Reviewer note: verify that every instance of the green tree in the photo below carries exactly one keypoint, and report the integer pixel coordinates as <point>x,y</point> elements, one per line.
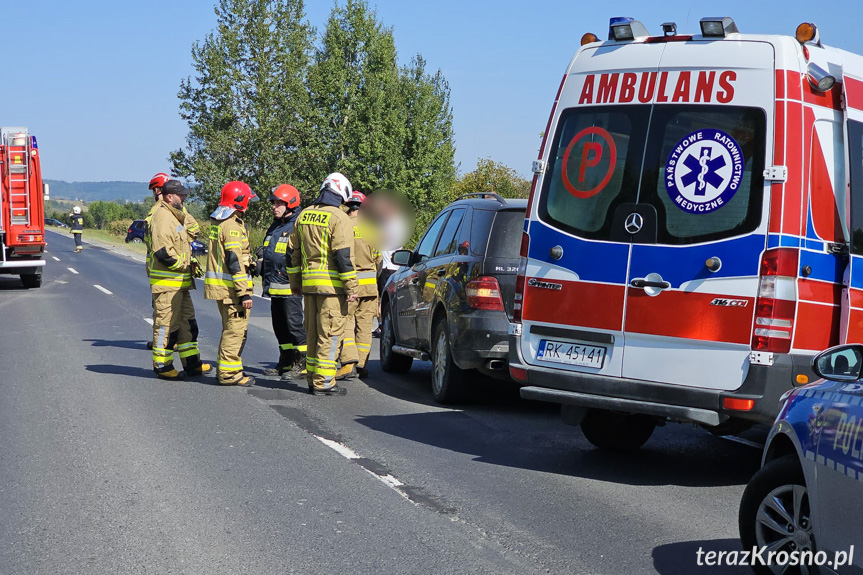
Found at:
<point>382,126</point>
<point>103,213</point>
<point>248,104</point>
<point>491,176</point>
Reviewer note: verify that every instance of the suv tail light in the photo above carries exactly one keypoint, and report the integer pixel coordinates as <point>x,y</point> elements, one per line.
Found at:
<point>518,299</point>
<point>484,293</point>
<point>776,305</point>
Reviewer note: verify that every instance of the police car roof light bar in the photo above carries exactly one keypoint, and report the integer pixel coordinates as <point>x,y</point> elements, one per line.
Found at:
<point>717,26</point>
<point>623,29</point>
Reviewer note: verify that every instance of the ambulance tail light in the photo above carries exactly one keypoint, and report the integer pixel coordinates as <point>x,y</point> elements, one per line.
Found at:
<point>484,293</point>
<point>518,299</point>
<point>776,305</point>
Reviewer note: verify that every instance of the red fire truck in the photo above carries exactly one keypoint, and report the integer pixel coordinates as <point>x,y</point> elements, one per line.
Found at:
<point>22,218</point>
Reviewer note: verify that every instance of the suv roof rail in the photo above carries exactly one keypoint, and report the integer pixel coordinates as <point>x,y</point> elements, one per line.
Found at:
<point>482,195</point>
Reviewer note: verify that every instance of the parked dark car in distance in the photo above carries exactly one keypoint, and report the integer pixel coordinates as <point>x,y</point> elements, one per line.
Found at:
<point>808,495</point>
<point>55,223</point>
<point>136,232</point>
<point>451,302</point>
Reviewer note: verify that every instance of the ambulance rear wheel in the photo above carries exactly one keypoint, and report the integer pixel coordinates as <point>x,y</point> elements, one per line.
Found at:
<point>617,431</point>
<point>31,281</point>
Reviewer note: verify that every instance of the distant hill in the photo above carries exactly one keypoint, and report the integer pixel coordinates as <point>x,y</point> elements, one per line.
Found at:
<point>105,191</point>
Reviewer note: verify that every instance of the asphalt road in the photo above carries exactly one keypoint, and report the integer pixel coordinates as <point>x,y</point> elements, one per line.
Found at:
<point>108,470</point>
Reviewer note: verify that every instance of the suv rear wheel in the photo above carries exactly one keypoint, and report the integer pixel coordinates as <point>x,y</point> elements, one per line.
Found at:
<point>617,431</point>
<point>391,362</point>
<point>448,380</point>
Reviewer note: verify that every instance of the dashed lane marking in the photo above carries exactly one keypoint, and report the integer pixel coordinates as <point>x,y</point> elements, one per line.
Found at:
<point>72,270</point>
<point>349,453</point>
<point>101,289</point>
<point>56,259</point>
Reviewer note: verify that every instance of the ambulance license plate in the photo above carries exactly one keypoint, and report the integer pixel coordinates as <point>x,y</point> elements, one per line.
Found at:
<point>571,353</point>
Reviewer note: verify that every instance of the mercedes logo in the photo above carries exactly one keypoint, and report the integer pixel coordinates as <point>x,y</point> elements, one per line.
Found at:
<point>634,223</point>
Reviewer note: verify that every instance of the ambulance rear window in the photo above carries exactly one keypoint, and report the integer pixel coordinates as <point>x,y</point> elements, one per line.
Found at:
<point>699,169</point>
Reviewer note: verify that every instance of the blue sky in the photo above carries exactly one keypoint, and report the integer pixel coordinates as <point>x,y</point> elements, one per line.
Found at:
<point>97,81</point>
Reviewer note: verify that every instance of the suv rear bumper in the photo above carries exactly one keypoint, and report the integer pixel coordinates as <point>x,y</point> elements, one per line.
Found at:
<point>478,337</point>
<point>764,385</point>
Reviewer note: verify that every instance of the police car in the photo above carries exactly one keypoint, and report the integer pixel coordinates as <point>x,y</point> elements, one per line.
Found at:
<point>808,495</point>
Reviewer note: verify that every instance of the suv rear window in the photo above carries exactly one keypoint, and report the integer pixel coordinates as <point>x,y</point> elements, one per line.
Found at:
<point>505,239</point>
<point>700,168</point>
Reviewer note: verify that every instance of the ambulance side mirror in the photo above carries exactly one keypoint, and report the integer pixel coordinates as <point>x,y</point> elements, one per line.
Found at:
<point>840,363</point>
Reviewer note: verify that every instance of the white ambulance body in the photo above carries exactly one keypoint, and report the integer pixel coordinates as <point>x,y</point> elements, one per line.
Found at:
<point>694,229</point>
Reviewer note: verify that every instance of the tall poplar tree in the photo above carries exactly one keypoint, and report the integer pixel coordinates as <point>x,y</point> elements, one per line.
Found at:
<point>248,103</point>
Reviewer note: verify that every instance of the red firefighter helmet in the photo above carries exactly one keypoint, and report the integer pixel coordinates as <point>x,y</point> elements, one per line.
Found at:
<point>356,199</point>
<point>237,195</point>
<point>159,180</point>
<point>288,194</point>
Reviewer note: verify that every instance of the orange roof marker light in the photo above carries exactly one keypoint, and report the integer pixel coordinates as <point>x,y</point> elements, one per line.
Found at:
<point>808,32</point>
<point>589,38</point>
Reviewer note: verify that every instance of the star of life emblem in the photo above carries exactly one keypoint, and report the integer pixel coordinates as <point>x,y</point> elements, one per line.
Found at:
<point>704,170</point>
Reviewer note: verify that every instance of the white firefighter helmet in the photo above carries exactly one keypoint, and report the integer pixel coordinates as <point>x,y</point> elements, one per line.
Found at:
<point>339,185</point>
<point>76,210</point>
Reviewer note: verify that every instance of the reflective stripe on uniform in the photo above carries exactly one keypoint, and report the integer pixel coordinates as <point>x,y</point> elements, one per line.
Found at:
<point>230,365</point>
<point>162,355</point>
<point>280,289</point>
<point>188,349</point>
<point>218,279</point>
<point>233,245</point>
<point>290,346</point>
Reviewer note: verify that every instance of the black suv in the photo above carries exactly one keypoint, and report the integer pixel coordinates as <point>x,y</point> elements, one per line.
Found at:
<point>452,300</point>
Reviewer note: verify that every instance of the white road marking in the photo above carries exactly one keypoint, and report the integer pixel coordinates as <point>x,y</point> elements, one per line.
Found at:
<point>149,320</point>
<point>349,453</point>
<point>743,441</point>
<point>338,447</point>
<point>101,289</point>
<point>72,270</point>
<point>56,259</point>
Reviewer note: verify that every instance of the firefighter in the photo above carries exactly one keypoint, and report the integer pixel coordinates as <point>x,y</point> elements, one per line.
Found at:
<point>286,308</point>
<point>192,229</point>
<point>170,271</point>
<point>357,341</point>
<point>77,227</point>
<point>227,279</point>
<point>322,271</point>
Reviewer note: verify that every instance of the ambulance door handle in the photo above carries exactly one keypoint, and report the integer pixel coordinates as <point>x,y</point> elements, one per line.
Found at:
<point>643,283</point>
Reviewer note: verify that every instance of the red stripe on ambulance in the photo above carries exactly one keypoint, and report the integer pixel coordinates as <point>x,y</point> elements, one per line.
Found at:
<point>596,305</point>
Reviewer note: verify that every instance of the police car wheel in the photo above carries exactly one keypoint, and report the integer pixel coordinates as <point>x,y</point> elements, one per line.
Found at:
<point>448,380</point>
<point>775,511</point>
<point>391,362</point>
<point>617,431</point>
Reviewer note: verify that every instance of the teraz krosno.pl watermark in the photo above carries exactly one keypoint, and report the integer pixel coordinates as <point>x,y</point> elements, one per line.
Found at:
<point>760,556</point>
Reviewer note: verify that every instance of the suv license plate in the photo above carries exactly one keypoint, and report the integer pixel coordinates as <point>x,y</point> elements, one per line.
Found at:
<point>571,353</point>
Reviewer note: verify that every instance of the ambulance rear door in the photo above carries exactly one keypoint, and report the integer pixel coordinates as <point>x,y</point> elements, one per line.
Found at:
<point>699,224</point>
<point>578,258</point>
<point>852,294</point>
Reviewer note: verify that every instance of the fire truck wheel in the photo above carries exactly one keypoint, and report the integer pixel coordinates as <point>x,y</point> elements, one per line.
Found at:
<point>32,280</point>
<point>617,431</point>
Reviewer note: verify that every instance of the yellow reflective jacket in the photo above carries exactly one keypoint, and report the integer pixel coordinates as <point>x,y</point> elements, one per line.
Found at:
<point>169,265</point>
<point>321,244</point>
<point>227,276</point>
<point>367,260</point>
<point>189,222</point>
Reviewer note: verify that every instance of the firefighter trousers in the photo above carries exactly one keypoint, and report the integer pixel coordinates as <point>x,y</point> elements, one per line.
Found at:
<point>325,318</point>
<point>287,315</point>
<point>174,323</point>
<point>77,236</point>
<point>357,340</point>
<point>235,324</point>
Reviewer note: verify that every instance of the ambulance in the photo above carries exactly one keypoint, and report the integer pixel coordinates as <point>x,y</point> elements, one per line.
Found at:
<point>694,234</point>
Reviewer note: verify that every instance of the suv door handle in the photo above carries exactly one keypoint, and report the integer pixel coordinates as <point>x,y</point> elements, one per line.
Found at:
<point>643,283</point>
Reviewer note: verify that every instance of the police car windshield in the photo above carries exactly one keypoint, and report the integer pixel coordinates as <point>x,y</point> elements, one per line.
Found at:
<point>696,170</point>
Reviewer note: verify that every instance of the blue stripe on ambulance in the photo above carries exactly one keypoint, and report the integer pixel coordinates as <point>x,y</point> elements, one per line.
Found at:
<point>825,267</point>
<point>593,261</point>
